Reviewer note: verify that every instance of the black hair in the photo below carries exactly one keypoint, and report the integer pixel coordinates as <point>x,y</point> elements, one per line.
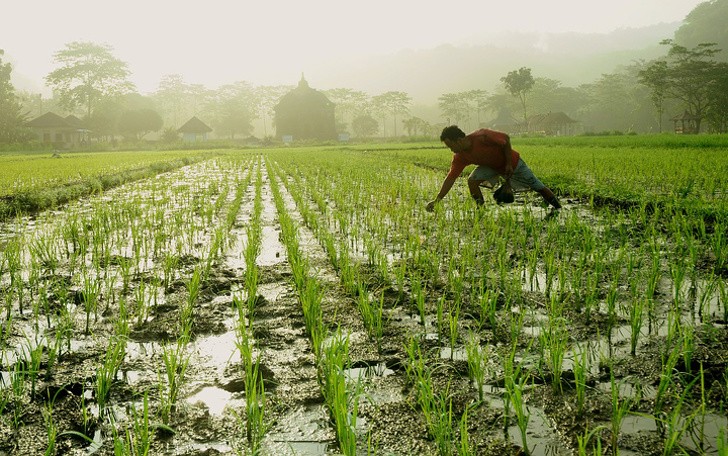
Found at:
<point>453,132</point>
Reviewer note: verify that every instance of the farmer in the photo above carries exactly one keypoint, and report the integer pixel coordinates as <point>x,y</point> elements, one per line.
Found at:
<point>491,151</point>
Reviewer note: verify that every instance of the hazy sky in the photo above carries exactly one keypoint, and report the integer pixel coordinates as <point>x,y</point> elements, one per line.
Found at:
<point>216,42</point>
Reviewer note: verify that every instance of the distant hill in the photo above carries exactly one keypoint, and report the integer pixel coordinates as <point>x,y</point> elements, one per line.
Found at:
<point>571,58</point>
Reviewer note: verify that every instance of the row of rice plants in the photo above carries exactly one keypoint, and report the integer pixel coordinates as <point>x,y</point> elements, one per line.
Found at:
<point>331,351</point>
<point>123,254</point>
<point>584,278</point>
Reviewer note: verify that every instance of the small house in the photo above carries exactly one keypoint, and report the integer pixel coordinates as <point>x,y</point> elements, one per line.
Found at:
<point>552,123</point>
<point>194,130</point>
<point>686,123</point>
<point>63,132</point>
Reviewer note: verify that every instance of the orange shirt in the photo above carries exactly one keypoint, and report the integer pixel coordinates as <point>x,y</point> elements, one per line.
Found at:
<point>487,150</point>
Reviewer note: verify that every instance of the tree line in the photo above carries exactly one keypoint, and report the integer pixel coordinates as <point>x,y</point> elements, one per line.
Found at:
<point>690,82</point>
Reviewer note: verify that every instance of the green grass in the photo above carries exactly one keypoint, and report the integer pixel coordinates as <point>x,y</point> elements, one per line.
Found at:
<point>36,181</point>
<point>689,172</point>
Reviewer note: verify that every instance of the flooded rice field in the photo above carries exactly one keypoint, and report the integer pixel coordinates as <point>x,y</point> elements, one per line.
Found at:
<point>280,305</point>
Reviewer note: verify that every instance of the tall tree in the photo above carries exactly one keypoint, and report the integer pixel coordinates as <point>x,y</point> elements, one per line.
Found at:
<point>364,126</point>
<point>706,23</point>
<point>416,126</point>
<point>455,107</point>
<point>654,76</point>
<point>88,73</point>
<point>519,83</point>
<point>172,97</point>
<point>232,109</point>
<point>691,76</point>
<point>392,103</point>
<point>137,123</point>
<point>614,101</point>
<point>479,100</point>
<point>267,98</point>
<point>11,118</point>
<point>348,102</point>
<point>717,113</point>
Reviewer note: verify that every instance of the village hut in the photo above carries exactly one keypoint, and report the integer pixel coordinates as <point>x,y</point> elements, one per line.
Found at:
<point>686,123</point>
<point>194,130</point>
<point>62,132</point>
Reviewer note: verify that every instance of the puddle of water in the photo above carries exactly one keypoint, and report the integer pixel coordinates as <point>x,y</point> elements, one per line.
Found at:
<point>272,250</point>
<point>298,448</point>
<point>629,390</point>
<point>96,443</point>
<point>690,439</point>
<point>368,371</point>
<point>217,351</point>
<point>303,431</point>
<point>214,398</point>
<point>540,435</point>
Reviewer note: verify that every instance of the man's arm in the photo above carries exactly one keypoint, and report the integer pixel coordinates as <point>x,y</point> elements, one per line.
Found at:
<point>446,186</point>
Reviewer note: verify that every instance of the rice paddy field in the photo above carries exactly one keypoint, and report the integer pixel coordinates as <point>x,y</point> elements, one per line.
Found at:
<point>301,301</point>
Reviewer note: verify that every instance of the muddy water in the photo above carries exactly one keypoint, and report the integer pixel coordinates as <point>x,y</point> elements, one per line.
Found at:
<point>210,413</point>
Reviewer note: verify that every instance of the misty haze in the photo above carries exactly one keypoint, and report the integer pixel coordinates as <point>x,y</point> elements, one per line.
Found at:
<point>387,228</point>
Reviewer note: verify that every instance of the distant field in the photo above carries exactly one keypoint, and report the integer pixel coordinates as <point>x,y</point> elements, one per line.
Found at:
<point>688,171</point>
<point>24,172</point>
<point>32,182</point>
<point>685,171</point>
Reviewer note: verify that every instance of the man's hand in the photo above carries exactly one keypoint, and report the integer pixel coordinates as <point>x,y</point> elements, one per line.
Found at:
<point>431,206</point>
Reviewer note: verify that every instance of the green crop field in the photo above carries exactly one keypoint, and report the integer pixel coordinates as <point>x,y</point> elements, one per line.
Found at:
<point>302,300</point>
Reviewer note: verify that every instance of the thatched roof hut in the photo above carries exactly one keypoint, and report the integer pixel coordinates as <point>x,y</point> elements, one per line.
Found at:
<point>194,130</point>
<point>305,113</point>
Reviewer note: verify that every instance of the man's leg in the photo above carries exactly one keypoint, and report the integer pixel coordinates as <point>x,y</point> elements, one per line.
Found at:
<point>475,193</point>
<point>523,175</point>
<point>478,176</point>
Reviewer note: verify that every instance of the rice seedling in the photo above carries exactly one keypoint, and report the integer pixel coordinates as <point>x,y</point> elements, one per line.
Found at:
<point>635,320</point>
<point>176,361</point>
<point>42,251</point>
<point>51,428</point>
<point>343,404</point>
<point>555,341</point>
<point>488,302</point>
<point>584,440</point>
<point>464,448</point>
<point>620,409</point>
<point>91,289</point>
<point>442,426</point>
<point>18,390</point>
<point>687,347</point>
<point>32,357</point>
<point>257,422</point>
<point>515,382</point>
<point>419,293</point>
<point>139,436</point>
<point>675,425</point>
<point>107,371</point>
<point>453,318</point>
<point>476,363</point>
<point>581,358</point>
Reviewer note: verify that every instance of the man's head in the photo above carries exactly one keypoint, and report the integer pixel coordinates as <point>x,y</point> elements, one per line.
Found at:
<point>454,138</point>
